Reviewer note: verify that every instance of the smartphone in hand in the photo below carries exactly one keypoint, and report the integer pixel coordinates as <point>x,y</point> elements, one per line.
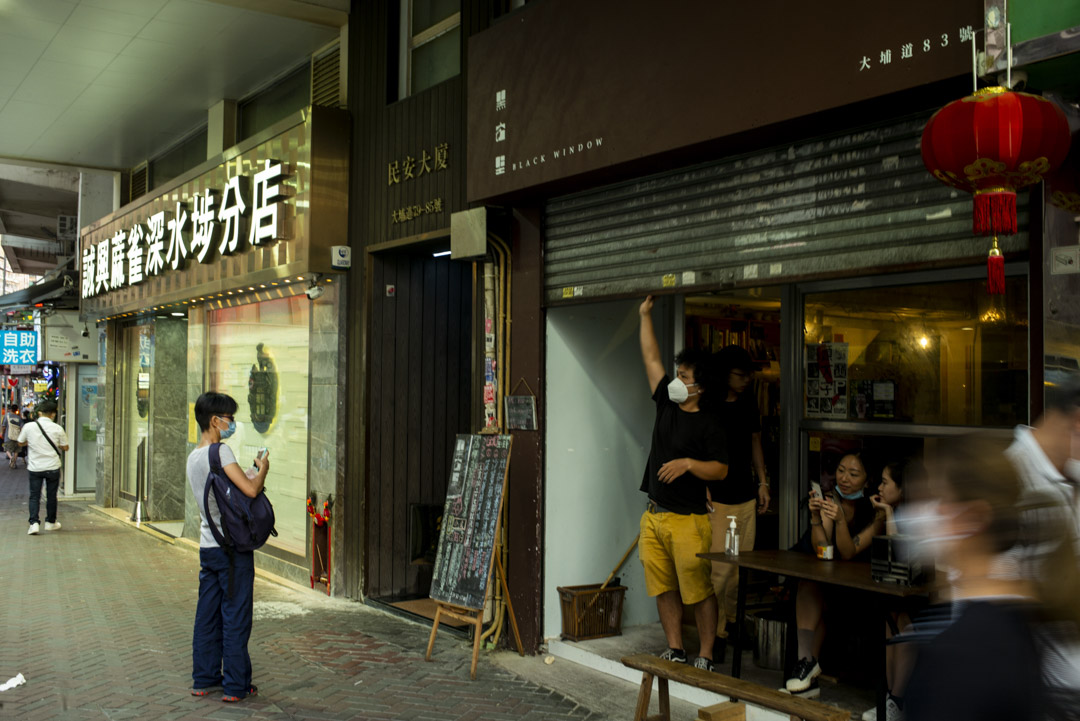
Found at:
<point>262,453</point>
<point>815,488</point>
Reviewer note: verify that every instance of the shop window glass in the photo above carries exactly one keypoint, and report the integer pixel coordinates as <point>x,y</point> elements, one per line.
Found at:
<point>259,356</point>
<point>936,353</point>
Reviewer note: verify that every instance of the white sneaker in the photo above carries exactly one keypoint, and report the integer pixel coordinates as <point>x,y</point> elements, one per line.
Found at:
<point>52,526</point>
<point>892,712</point>
<point>806,670</point>
<point>33,530</point>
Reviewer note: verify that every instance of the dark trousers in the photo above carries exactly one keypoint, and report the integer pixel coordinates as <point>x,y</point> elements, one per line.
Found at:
<point>52,485</point>
<point>223,624</point>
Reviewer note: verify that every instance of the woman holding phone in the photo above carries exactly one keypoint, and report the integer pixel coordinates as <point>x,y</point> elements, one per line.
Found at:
<point>845,520</point>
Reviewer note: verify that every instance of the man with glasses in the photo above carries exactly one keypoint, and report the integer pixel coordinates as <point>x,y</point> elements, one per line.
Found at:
<point>745,492</point>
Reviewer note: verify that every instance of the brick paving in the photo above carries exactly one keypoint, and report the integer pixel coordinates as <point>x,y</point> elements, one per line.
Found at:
<point>98,617</point>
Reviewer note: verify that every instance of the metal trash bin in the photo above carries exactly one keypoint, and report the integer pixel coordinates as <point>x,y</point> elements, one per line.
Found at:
<point>770,634</point>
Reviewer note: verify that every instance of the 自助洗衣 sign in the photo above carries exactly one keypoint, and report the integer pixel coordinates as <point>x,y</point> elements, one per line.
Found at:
<point>245,212</point>
<point>18,347</point>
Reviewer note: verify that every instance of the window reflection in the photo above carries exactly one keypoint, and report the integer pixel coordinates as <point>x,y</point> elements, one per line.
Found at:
<point>940,353</point>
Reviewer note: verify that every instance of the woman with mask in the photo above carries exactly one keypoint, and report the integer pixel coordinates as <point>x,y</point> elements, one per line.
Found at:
<point>846,521</point>
<point>896,477</point>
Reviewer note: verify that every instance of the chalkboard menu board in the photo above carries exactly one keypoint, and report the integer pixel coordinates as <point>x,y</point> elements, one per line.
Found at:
<point>470,520</point>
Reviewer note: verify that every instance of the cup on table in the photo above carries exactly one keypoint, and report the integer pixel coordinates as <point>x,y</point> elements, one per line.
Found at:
<point>825,553</point>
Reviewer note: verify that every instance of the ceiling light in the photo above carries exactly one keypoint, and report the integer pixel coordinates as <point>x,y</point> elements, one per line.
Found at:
<point>924,342</point>
<point>441,253</point>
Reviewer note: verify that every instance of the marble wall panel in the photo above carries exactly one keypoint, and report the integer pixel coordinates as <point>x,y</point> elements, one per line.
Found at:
<point>165,476</point>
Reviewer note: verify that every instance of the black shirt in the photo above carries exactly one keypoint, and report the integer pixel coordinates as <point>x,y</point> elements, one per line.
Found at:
<point>678,434</point>
<point>740,420</point>
<point>984,667</point>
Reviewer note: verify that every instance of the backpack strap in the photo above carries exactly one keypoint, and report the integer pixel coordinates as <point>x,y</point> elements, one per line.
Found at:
<point>220,535</point>
<point>42,429</point>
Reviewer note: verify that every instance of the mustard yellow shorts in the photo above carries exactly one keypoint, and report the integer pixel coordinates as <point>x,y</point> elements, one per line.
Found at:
<point>668,550</point>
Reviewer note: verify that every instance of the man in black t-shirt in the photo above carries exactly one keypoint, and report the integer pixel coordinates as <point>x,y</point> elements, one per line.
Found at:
<point>687,450</point>
<point>745,492</point>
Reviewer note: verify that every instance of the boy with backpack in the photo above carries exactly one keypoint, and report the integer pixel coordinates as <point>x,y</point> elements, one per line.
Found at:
<point>227,574</point>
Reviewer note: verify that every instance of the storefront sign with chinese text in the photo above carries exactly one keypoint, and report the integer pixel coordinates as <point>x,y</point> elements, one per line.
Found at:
<point>221,223</point>
<point>18,346</point>
<point>410,168</point>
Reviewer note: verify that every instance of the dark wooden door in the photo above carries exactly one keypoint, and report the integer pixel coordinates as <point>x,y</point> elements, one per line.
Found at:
<point>420,398</point>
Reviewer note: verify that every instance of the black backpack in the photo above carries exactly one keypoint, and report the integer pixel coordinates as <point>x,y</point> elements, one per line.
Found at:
<point>246,522</point>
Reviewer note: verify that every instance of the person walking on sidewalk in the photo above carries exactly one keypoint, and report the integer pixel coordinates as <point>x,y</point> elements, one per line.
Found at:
<point>44,440</point>
<point>219,647</point>
<point>13,424</point>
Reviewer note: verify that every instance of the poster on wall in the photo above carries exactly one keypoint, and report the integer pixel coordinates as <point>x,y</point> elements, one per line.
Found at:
<point>827,380</point>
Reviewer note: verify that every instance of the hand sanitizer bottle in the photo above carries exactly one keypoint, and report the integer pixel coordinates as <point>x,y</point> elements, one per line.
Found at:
<point>731,542</point>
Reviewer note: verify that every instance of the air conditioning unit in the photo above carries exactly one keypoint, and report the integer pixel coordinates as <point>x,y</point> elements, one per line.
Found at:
<point>140,180</point>
<point>67,227</point>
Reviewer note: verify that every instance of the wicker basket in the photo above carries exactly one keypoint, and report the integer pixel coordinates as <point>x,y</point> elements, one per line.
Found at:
<point>591,612</point>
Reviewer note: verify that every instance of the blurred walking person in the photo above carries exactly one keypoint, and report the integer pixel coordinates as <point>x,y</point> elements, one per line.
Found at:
<point>13,424</point>
<point>987,665</point>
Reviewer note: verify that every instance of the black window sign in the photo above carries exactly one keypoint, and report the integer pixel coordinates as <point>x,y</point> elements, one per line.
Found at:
<point>520,413</point>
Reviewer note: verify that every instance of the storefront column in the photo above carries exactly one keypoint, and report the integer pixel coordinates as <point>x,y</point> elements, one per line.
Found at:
<point>166,474</point>
<point>526,496</point>
<point>196,382</point>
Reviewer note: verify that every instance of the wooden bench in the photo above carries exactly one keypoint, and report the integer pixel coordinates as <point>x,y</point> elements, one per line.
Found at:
<point>737,689</point>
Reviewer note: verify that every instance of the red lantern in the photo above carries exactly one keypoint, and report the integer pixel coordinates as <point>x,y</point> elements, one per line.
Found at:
<point>991,144</point>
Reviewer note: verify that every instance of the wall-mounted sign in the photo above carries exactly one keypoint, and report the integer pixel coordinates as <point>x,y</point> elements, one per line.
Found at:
<point>18,346</point>
<point>63,341</point>
<point>410,168</point>
<point>222,222</point>
<point>249,225</point>
<point>597,101</point>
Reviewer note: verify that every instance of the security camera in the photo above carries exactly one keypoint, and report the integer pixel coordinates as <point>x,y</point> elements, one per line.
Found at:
<point>315,292</point>
<point>85,331</point>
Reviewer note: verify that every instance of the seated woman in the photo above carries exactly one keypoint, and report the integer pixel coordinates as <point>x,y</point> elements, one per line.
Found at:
<point>846,520</point>
<point>899,658</point>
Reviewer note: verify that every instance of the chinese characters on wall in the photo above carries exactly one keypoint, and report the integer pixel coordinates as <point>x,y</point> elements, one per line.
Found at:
<point>412,212</point>
<point>907,51</point>
<point>18,347</point>
<point>410,168</point>
<point>243,214</point>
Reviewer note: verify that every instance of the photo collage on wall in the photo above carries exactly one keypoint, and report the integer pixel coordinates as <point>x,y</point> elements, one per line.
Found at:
<point>827,380</point>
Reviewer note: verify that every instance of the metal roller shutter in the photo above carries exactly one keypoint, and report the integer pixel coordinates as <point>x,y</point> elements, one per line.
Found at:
<point>846,204</point>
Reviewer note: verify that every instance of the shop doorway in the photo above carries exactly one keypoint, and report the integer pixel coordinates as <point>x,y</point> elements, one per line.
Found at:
<point>750,319</point>
<point>134,447</point>
<point>419,398</point>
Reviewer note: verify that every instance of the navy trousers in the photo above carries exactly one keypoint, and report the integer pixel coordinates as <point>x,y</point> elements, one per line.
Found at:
<point>52,485</point>
<point>219,652</point>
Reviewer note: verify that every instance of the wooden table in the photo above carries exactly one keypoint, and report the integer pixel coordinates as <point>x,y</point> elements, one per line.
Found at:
<point>847,574</point>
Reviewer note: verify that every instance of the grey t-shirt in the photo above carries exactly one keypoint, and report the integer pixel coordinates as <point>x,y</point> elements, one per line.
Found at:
<point>198,468</point>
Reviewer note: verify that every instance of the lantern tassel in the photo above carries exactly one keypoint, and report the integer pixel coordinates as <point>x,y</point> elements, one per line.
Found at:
<point>995,213</point>
<point>995,271</point>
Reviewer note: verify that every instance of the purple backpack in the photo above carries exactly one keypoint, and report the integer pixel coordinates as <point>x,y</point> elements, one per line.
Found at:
<point>246,523</point>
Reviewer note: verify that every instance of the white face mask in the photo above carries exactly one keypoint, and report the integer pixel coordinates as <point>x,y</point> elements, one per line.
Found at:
<point>924,523</point>
<point>678,391</point>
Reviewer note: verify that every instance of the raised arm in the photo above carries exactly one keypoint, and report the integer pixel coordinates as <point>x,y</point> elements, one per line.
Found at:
<point>650,349</point>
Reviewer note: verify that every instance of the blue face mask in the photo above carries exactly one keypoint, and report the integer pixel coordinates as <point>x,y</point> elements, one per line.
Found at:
<point>846,496</point>
<point>229,431</point>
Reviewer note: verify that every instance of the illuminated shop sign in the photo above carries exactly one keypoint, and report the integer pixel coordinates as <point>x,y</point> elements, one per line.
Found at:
<point>246,212</point>
<point>18,346</point>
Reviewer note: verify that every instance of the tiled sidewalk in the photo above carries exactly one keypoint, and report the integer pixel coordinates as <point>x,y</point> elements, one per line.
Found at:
<point>98,616</point>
